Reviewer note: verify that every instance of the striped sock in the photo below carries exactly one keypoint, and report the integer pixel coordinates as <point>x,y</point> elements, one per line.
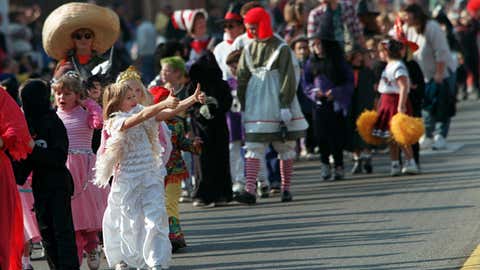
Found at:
<point>286,170</point>
<point>252,166</point>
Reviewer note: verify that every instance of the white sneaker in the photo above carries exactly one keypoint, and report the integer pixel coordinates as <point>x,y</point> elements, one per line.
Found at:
<point>410,168</point>
<point>238,187</point>
<point>425,142</point>
<point>395,170</point>
<point>93,260</point>
<point>185,196</point>
<point>121,266</point>
<point>439,142</point>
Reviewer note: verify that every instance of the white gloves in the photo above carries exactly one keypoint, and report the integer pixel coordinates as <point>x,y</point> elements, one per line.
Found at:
<point>285,115</point>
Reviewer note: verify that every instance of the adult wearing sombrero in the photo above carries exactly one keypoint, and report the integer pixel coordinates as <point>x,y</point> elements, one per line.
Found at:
<point>77,34</point>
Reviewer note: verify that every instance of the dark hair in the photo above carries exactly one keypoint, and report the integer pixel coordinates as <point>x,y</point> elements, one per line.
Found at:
<point>332,64</point>
<point>393,48</point>
<point>245,8</point>
<point>234,57</point>
<point>419,16</point>
<point>167,49</point>
<point>94,78</point>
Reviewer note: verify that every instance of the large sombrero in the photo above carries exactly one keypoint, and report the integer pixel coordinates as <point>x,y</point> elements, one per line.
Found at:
<point>68,18</point>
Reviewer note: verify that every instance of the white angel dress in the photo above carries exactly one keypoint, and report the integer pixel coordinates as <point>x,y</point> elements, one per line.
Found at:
<point>135,223</point>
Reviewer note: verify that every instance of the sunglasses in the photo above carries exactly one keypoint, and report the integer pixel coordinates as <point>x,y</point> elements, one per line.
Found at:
<point>79,36</point>
<point>228,26</point>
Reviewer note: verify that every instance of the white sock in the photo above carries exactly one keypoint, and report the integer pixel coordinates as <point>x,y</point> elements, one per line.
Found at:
<point>25,260</point>
<point>395,163</point>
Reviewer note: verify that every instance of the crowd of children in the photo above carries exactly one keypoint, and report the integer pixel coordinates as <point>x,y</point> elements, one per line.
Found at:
<point>109,161</point>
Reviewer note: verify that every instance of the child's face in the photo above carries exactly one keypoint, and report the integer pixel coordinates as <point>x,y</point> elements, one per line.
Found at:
<point>301,50</point>
<point>129,102</point>
<point>169,74</point>
<point>96,91</point>
<point>199,28</point>
<point>317,47</point>
<point>383,55</point>
<point>66,99</point>
<point>137,90</point>
<point>357,59</point>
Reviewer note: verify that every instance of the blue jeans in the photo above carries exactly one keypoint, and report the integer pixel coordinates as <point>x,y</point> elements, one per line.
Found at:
<point>431,124</point>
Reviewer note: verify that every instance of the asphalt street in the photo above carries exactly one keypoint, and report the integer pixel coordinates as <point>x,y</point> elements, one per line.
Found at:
<point>429,221</point>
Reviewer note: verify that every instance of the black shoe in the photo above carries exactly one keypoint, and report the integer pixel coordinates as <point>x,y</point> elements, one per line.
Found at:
<point>286,196</point>
<point>357,166</point>
<point>178,244</point>
<point>246,197</point>
<point>339,174</point>
<point>367,165</point>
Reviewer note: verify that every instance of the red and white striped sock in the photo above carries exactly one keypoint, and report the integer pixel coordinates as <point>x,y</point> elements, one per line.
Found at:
<point>286,171</point>
<point>252,167</point>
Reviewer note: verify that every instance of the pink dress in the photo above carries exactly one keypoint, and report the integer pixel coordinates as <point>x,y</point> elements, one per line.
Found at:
<point>30,225</point>
<point>88,201</point>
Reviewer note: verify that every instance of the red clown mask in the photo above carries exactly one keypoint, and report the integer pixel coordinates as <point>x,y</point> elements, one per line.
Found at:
<point>261,18</point>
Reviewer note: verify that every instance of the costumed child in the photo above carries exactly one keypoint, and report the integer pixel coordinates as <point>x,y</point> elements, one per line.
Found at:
<point>176,170</point>
<point>329,83</point>
<point>417,81</point>
<point>52,184</point>
<point>135,216</point>
<point>30,226</point>
<point>16,141</point>
<point>235,127</point>
<point>363,98</point>
<point>81,116</point>
<point>172,73</point>
<point>194,21</point>
<point>394,87</point>
<point>94,90</point>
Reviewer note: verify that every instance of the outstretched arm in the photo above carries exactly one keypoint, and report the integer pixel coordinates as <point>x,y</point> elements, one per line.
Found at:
<point>150,111</point>
<point>183,105</point>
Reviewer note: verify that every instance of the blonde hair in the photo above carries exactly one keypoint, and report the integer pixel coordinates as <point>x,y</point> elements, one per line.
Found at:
<point>146,99</point>
<point>113,97</point>
<point>72,82</point>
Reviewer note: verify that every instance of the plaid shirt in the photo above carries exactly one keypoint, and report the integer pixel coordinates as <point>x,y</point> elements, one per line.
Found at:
<point>348,16</point>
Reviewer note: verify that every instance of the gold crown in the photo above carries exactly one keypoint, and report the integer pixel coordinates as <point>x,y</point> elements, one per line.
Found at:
<point>131,73</point>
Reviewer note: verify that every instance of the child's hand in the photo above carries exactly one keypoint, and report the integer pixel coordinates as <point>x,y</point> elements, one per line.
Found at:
<point>1,143</point>
<point>199,95</point>
<point>197,141</point>
<point>329,95</point>
<point>171,101</point>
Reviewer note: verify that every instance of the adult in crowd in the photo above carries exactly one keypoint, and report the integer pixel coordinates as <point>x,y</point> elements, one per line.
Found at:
<point>295,15</point>
<point>266,69</point>
<point>146,44</point>
<point>341,12</point>
<point>433,56</point>
<point>77,34</point>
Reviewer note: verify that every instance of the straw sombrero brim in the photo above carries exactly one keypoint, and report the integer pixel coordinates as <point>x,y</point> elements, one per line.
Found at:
<point>66,19</point>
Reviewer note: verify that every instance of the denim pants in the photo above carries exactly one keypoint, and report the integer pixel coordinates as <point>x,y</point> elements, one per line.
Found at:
<point>431,124</point>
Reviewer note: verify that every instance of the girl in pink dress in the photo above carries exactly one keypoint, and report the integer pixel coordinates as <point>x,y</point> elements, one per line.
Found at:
<point>80,118</point>
<point>30,226</point>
